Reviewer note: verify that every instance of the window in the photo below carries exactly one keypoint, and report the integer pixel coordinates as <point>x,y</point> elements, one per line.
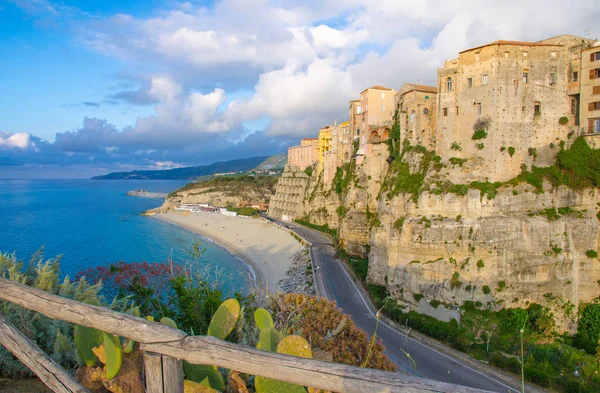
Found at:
<point>457,110</point>
<point>525,76</point>
<point>537,108</point>
<point>358,110</point>
<point>479,108</point>
<point>449,84</point>
<point>444,129</point>
<point>594,125</point>
<point>596,90</point>
<point>594,106</point>
<point>575,55</point>
<point>382,95</point>
<point>506,54</point>
<point>358,131</point>
<point>469,82</point>
<point>445,111</point>
<point>573,106</point>
<point>553,55</point>
<point>484,80</point>
<point>412,116</point>
<point>425,111</point>
<point>595,73</point>
<point>525,54</point>
<point>575,76</point>
<point>594,56</point>
<point>553,78</point>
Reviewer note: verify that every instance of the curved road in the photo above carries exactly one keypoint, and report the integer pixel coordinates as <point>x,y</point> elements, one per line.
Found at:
<point>333,279</point>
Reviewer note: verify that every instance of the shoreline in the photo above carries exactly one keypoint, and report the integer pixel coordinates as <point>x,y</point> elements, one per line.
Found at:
<point>265,249</point>
<point>257,276</point>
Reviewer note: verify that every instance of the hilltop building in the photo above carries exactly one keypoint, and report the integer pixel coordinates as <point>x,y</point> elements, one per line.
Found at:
<point>590,90</point>
<point>375,118</point>
<point>304,155</point>
<point>416,105</point>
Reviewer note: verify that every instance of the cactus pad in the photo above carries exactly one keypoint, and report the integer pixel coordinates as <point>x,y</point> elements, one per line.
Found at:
<point>114,356</point>
<point>195,387</point>
<point>200,372</point>
<point>296,346</point>
<point>267,385</point>
<point>86,338</point>
<point>268,340</point>
<point>225,319</point>
<point>263,319</point>
<point>168,322</point>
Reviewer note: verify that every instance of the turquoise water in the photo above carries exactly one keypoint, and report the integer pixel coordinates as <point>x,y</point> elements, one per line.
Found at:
<point>93,222</point>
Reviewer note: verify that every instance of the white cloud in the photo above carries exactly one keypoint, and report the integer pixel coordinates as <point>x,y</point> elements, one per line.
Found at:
<point>19,140</point>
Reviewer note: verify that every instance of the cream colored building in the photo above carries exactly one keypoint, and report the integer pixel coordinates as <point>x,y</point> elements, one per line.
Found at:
<point>417,115</point>
<point>304,155</point>
<point>516,92</point>
<point>590,90</point>
<point>376,112</point>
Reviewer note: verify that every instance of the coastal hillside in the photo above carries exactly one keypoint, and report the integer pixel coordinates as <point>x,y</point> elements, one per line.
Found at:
<point>189,173</point>
<point>222,191</point>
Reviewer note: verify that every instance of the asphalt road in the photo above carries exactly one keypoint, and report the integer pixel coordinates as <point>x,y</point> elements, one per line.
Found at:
<point>334,280</point>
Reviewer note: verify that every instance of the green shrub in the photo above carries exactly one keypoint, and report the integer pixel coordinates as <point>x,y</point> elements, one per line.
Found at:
<point>457,161</point>
<point>551,214</point>
<point>486,289</point>
<point>501,286</point>
<point>434,303</point>
<point>563,120</point>
<point>479,134</point>
<point>309,171</point>
<point>480,264</point>
<point>454,281</point>
<point>591,254</point>
<point>360,267</point>
<point>456,146</point>
<point>511,151</point>
<point>588,328</point>
<point>417,296</point>
<point>479,146</point>
<point>398,224</point>
<point>341,210</point>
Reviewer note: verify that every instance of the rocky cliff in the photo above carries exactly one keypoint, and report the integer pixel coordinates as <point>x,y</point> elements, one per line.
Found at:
<point>222,191</point>
<point>501,244</point>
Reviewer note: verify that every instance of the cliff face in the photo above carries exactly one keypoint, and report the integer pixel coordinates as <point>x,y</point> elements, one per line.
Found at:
<point>221,192</point>
<point>503,246</point>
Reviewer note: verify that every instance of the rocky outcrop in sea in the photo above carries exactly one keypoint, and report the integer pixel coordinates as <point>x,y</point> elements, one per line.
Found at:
<point>299,278</point>
<point>146,194</point>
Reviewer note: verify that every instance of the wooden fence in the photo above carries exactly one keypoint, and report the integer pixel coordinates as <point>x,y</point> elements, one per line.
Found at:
<point>165,347</point>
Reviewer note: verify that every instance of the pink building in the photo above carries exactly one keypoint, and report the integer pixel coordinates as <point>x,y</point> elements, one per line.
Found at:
<point>304,155</point>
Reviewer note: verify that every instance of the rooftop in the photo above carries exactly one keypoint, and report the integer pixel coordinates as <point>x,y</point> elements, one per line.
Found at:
<point>376,88</point>
<point>423,88</point>
<point>516,43</point>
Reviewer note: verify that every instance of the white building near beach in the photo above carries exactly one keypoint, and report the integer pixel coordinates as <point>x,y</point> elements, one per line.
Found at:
<point>226,212</point>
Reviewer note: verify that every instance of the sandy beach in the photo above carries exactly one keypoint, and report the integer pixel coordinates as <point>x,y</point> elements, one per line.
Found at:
<point>264,246</point>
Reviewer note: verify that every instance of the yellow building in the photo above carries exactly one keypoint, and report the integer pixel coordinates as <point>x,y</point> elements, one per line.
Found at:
<point>325,143</point>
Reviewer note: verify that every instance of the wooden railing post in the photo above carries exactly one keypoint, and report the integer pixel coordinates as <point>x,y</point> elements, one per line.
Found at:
<point>164,374</point>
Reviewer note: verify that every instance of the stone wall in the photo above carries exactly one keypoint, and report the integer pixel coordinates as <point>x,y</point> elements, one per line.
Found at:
<point>288,201</point>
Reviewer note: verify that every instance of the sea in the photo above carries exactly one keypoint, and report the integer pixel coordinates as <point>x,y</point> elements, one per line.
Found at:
<point>92,222</point>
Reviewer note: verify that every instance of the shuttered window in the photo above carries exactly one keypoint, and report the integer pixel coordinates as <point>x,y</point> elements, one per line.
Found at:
<point>595,73</point>
<point>596,90</point>
<point>594,56</point>
<point>594,106</point>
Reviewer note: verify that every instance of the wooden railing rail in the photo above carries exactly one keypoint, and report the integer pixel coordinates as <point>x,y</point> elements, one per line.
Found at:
<point>157,338</point>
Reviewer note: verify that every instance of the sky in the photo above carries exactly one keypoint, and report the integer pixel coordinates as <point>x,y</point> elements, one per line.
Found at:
<point>93,86</point>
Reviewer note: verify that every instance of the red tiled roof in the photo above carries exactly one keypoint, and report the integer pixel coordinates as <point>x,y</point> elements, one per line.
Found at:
<point>517,43</point>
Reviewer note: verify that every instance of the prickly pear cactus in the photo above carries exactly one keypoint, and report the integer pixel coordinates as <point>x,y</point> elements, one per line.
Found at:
<point>263,319</point>
<point>290,345</point>
<point>200,373</point>
<point>225,319</point>
<point>168,322</point>
<point>296,346</point>
<point>129,344</point>
<point>195,387</point>
<point>268,340</point>
<point>114,356</point>
<point>86,338</point>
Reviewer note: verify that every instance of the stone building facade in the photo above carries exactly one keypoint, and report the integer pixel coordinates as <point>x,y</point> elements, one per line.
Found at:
<point>416,105</point>
<point>304,155</point>
<point>516,92</point>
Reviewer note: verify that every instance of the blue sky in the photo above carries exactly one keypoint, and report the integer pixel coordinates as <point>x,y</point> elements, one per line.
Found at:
<point>90,86</point>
